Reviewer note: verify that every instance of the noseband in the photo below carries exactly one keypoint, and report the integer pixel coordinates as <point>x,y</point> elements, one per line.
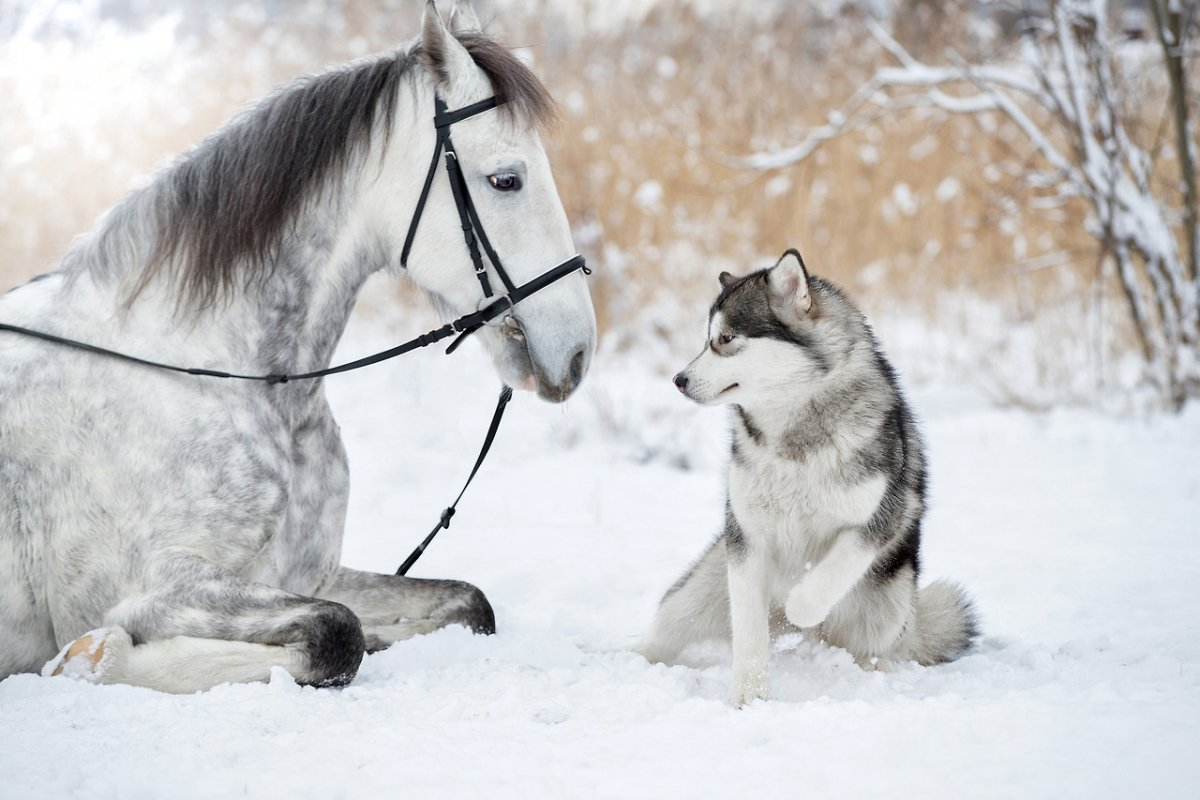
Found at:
<point>464,326</point>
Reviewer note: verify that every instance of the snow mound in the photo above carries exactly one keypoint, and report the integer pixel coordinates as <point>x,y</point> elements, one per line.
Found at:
<point>1074,532</point>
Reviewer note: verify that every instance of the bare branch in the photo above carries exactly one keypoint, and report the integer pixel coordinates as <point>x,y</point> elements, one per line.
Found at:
<point>1069,73</point>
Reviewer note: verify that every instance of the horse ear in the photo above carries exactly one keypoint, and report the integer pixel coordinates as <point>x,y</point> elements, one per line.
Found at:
<point>441,53</point>
<point>726,279</point>
<point>788,280</point>
<point>463,19</point>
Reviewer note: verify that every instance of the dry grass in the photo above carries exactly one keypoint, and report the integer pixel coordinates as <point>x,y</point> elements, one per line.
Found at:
<point>910,213</point>
<point>918,204</point>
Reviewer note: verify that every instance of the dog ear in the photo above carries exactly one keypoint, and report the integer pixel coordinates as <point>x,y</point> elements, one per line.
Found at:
<point>726,279</point>
<point>788,280</point>
<point>441,53</point>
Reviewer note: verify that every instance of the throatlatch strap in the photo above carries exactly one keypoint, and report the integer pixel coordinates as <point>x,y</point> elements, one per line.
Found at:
<point>416,218</point>
<point>444,521</point>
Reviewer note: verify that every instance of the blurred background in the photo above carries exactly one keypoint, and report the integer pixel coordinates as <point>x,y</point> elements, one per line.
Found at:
<point>704,136</point>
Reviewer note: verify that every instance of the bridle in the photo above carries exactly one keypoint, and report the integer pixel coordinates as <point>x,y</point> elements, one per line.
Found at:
<point>473,235</point>
<point>472,228</point>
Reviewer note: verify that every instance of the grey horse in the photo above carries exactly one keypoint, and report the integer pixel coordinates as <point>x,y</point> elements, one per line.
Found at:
<point>178,532</point>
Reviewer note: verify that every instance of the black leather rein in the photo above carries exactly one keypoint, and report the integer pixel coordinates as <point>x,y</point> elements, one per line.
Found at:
<point>464,326</point>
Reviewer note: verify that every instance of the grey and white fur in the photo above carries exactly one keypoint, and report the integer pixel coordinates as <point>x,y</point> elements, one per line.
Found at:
<point>826,490</point>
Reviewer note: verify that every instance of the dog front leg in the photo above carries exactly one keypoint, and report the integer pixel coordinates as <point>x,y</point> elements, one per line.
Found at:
<point>749,614</point>
<point>810,601</point>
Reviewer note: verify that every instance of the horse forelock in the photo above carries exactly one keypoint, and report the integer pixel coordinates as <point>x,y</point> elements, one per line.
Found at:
<point>522,92</point>
<point>222,211</point>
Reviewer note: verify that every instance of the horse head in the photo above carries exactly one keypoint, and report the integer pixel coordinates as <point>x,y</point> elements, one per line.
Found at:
<point>547,341</point>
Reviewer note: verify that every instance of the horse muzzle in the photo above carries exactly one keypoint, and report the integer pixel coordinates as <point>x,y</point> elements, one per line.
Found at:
<point>547,362</point>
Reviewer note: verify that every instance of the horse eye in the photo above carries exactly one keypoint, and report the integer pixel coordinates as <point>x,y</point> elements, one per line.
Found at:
<point>505,182</point>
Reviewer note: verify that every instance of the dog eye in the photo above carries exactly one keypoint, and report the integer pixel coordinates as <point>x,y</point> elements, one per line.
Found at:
<point>725,338</point>
<point>505,181</point>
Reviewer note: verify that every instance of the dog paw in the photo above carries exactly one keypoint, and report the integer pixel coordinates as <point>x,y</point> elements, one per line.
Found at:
<point>802,610</point>
<point>742,696</point>
<point>92,657</point>
<point>748,687</point>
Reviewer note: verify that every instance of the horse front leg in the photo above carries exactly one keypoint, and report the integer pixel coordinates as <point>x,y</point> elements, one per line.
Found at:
<point>203,626</point>
<point>393,607</point>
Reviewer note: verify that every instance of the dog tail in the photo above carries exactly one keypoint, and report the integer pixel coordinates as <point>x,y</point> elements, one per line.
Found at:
<point>946,624</point>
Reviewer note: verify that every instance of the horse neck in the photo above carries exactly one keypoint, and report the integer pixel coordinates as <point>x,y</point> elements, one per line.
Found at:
<point>292,318</point>
<point>301,308</point>
<point>288,320</point>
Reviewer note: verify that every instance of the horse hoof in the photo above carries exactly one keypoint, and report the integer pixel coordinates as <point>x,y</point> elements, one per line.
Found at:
<point>90,656</point>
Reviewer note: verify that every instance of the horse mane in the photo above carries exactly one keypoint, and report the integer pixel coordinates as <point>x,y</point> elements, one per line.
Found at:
<point>222,210</point>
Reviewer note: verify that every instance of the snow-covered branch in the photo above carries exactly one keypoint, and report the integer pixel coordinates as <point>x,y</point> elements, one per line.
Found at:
<point>1064,97</point>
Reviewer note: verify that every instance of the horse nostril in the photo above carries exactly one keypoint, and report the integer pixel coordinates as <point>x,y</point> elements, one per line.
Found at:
<point>681,381</point>
<point>575,371</point>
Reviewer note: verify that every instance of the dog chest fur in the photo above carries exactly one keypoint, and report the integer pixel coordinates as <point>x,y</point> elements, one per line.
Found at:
<point>794,508</point>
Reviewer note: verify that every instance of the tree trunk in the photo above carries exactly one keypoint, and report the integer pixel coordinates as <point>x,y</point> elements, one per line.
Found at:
<point>1169,25</point>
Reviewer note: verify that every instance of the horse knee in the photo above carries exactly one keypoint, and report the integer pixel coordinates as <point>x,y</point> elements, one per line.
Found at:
<point>334,642</point>
<point>474,611</point>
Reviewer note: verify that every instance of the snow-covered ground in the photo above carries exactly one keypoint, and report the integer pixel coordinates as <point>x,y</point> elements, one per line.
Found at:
<point>1075,532</point>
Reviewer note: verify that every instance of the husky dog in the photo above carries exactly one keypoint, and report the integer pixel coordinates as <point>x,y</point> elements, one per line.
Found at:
<point>826,490</point>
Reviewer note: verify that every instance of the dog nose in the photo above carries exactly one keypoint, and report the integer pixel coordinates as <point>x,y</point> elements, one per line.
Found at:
<point>681,381</point>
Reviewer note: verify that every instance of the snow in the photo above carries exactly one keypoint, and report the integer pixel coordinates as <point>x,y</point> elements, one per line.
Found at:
<point>648,196</point>
<point>949,188</point>
<point>1074,531</point>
